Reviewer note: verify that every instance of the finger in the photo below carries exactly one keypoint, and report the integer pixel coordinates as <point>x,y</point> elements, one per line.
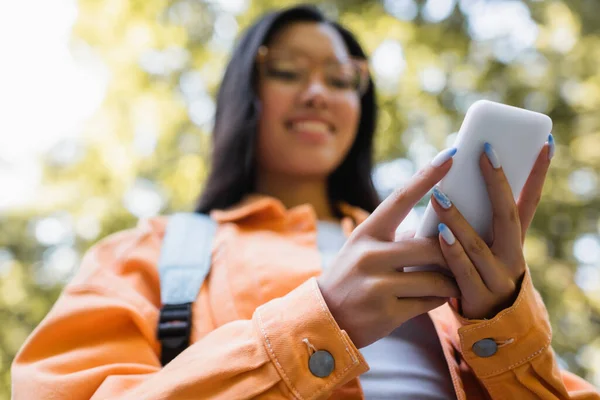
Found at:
<point>467,277</point>
<point>505,223</point>
<point>408,308</point>
<point>422,284</point>
<point>384,221</point>
<point>405,253</point>
<point>405,235</point>
<point>474,246</point>
<point>532,191</point>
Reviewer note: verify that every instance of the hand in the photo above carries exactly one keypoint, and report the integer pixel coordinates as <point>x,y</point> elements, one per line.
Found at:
<point>364,288</point>
<point>489,276</point>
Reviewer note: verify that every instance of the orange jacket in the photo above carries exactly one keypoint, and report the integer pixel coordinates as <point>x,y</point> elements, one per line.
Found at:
<point>252,313</point>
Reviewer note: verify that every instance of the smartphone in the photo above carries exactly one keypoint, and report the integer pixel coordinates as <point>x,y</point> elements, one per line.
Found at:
<point>517,135</point>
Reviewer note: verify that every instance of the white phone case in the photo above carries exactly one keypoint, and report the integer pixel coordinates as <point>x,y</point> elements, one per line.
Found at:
<point>517,136</point>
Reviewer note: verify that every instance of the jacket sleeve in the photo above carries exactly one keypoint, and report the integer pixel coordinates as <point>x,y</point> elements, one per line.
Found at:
<point>524,365</point>
<point>99,340</point>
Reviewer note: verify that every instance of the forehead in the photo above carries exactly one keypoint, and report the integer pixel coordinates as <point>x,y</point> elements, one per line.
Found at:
<point>315,39</point>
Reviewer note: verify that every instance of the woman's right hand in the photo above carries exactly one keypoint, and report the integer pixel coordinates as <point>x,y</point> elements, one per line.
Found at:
<point>365,289</point>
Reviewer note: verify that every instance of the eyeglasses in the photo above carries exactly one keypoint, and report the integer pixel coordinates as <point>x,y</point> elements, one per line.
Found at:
<point>293,67</point>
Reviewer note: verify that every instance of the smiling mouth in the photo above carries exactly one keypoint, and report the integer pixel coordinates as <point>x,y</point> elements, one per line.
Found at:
<point>309,125</point>
<point>312,132</point>
<point>312,126</point>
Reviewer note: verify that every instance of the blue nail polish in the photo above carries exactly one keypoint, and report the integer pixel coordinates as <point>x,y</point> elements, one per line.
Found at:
<point>443,156</point>
<point>441,198</point>
<point>552,146</point>
<point>446,233</point>
<point>492,155</point>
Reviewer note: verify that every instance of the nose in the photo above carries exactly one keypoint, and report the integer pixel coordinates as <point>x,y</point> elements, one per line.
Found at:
<point>314,93</point>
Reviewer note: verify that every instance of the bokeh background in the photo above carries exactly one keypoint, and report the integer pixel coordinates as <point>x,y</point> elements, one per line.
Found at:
<point>107,109</point>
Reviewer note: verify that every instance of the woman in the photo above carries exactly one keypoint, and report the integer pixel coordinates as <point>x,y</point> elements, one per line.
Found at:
<point>291,178</point>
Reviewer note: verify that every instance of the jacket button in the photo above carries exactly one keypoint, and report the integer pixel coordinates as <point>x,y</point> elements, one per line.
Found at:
<point>321,363</point>
<point>485,347</point>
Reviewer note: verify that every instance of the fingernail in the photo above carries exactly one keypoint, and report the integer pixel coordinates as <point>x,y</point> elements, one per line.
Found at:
<point>441,198</point>
<point>447,234</point>
<point>552,146</point>
<point>492,155</point>
<point>443,156</point>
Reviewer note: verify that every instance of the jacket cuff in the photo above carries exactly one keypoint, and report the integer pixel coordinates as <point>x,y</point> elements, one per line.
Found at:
<point>286,322</point>
<point>520,332</point>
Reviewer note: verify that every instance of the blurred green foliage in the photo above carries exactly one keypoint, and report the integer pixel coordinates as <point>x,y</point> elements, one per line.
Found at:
<point>145,150</point>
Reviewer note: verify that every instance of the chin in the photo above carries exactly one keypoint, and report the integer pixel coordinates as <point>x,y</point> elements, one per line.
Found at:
<point>301,163</point>
<point>315,169</point>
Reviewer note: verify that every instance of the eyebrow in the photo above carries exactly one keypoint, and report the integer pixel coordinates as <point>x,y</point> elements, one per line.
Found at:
<point>304,52</point>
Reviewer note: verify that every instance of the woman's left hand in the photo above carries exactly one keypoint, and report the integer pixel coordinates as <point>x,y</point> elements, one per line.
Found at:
<point>489,277</point>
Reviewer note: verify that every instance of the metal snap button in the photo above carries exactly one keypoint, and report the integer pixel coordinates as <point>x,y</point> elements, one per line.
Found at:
<point>321,363</point>
<point>485,347</point>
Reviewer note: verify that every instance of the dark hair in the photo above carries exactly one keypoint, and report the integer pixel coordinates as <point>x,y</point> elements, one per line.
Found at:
<point>233,162</point>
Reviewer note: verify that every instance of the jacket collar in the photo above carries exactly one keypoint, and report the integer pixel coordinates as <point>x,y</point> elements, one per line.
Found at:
<point>267,207</point>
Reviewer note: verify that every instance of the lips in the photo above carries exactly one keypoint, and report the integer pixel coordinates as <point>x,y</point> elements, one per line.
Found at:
<point>312,126</point>
<point>311,131</point>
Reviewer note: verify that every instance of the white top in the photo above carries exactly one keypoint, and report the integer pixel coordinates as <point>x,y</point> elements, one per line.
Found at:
<point>407,364</point>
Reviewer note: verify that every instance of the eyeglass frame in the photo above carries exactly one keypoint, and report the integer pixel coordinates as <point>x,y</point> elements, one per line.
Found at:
<point>361,64</point>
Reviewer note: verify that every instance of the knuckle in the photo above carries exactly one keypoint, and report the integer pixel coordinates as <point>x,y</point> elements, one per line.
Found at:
<point>510,214</point>
<point>369,284</point>
<point>373,287</point>
<point>432,247</point>
<point>357,234</point>
<point>509,288</point>
<point>399,195</point>
<point>513,214</point>
<point>436,281</point>
<point>431,242</point>
<point>477,246</point>
<point>365,256</point>
<point>441,282</point>
<point>421,174</point>
<point>468,272</point>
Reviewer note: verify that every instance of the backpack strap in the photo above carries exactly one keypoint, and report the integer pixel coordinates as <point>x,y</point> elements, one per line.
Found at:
<point>185,259</point>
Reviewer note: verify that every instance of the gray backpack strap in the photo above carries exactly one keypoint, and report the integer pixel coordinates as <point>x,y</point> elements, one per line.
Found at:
<point>185,259</point>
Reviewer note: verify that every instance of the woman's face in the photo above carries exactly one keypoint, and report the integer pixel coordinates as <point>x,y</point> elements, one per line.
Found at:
<point>310,109</point>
